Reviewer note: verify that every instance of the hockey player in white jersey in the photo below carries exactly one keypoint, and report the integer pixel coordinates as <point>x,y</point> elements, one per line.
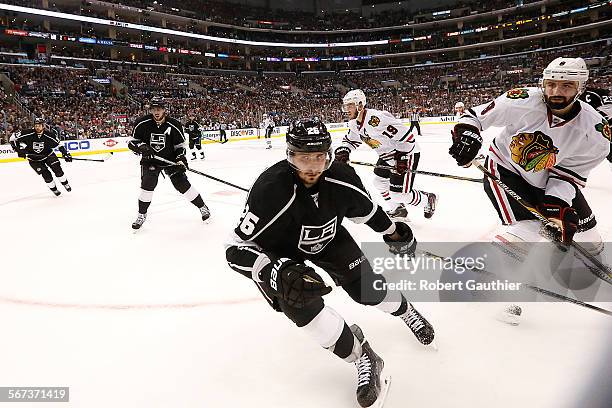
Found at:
<point>396,147</point>
<point>459,110</point>
<point>549,144</point>
<point>267,124</point>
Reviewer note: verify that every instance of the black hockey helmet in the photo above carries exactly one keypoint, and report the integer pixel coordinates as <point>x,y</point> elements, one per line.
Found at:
<point>308,135</point>
<point>39,120</point>
<point>157,102</point>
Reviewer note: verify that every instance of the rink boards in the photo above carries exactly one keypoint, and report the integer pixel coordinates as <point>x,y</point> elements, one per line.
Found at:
<point>84,147</point>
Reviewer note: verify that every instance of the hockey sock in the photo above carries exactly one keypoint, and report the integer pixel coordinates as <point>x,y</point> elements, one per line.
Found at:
<point>52,186</point>
<point>417,198</point>
<point>194,197</point>
<point>144,200</point>
<point>394,303</point>
<point>330,330</point>
<point>63,179</point>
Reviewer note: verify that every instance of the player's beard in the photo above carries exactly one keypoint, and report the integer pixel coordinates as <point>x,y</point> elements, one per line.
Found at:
<point>310,177</point>
<point>557,102</point>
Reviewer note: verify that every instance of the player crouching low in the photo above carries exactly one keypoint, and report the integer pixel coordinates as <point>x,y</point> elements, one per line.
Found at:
<point>294,213</point>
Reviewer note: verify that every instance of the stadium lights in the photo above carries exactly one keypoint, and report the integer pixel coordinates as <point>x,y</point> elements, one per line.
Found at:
<point>141,27</point>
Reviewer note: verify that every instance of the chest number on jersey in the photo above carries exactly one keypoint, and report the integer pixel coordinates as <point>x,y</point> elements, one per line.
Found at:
<point>390,132</point>
<point>247,226</point>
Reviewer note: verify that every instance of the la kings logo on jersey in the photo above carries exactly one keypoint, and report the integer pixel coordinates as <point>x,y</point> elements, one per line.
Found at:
<point>38,146</point>
<point>158,140</point>
<point>314,238</point>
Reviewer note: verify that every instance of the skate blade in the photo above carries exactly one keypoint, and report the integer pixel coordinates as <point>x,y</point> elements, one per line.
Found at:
<point>384,391</point>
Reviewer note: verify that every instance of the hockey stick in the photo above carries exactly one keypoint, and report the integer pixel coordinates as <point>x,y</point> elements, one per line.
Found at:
<point>536,289</point>
<point>91,160</point>
<point>161,159</point>
<point>211,139</point>
<point>603,271</point>
<point>425,173</point>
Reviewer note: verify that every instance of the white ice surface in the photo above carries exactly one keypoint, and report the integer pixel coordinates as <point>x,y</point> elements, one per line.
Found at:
<point>157,318</point>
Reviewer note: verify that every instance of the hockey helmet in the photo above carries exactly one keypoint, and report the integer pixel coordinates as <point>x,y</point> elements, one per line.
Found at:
<point>567,69</point>
<point>308,136</point>
<point>355,96</point>
<point>157,102</point>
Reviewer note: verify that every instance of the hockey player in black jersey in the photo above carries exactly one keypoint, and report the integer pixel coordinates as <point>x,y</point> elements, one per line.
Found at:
<point>157,134</point>
<point>195,136</point>
<point>294,213</point>
<point>36,145</point>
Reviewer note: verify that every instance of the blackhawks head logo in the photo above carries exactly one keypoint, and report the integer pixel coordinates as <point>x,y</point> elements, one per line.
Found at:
<point>373,143</point>
<point>533,151</point>
<point>374,121</point>
<point>604,129</point>
<point>517,93</point>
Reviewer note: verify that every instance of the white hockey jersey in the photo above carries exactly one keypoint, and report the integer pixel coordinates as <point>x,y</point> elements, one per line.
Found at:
<point>383,132</point>
<point>548,152</point>
<point>266,123</point>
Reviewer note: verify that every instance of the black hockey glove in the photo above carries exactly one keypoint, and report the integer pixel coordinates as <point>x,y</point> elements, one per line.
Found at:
<point>145,150</point>
<point>295,283</point>
<point>182,161</point>
<point>65,154</point>
<point>466,143</point>
<point>401,162</point>
<point>405,244</point>
<point>563,219</point>
<point>342,154</point>
<point>21,153</point>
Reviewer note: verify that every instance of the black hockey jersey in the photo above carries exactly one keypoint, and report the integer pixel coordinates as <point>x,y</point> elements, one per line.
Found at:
<point>193,129</point>
<point>167,139</point>
<point>283,218</point>
<point>36,147</point>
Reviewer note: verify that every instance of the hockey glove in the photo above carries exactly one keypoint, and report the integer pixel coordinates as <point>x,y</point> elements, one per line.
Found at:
<point>182,161</point>
<point>401,162</point>
<point>145,150</point>
<point>65,154</point>
<point>466,143</point>
<point>405,244</point>
<point>563,219</point>
<point>295,283</point>
<point>21,153</point>
<point>342,154</point>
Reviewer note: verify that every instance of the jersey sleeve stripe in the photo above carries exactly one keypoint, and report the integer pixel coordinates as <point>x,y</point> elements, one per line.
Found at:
<point>562,170</point>
<point>358,220</point>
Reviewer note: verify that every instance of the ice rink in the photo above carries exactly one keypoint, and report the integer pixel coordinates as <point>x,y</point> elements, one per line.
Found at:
<point>157,318</point>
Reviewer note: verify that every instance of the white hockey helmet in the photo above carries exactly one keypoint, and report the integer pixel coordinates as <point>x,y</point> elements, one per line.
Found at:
<point>265,115</point>
<point>355,96</point>
<point>567,69</point>
<point>459,105</point>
